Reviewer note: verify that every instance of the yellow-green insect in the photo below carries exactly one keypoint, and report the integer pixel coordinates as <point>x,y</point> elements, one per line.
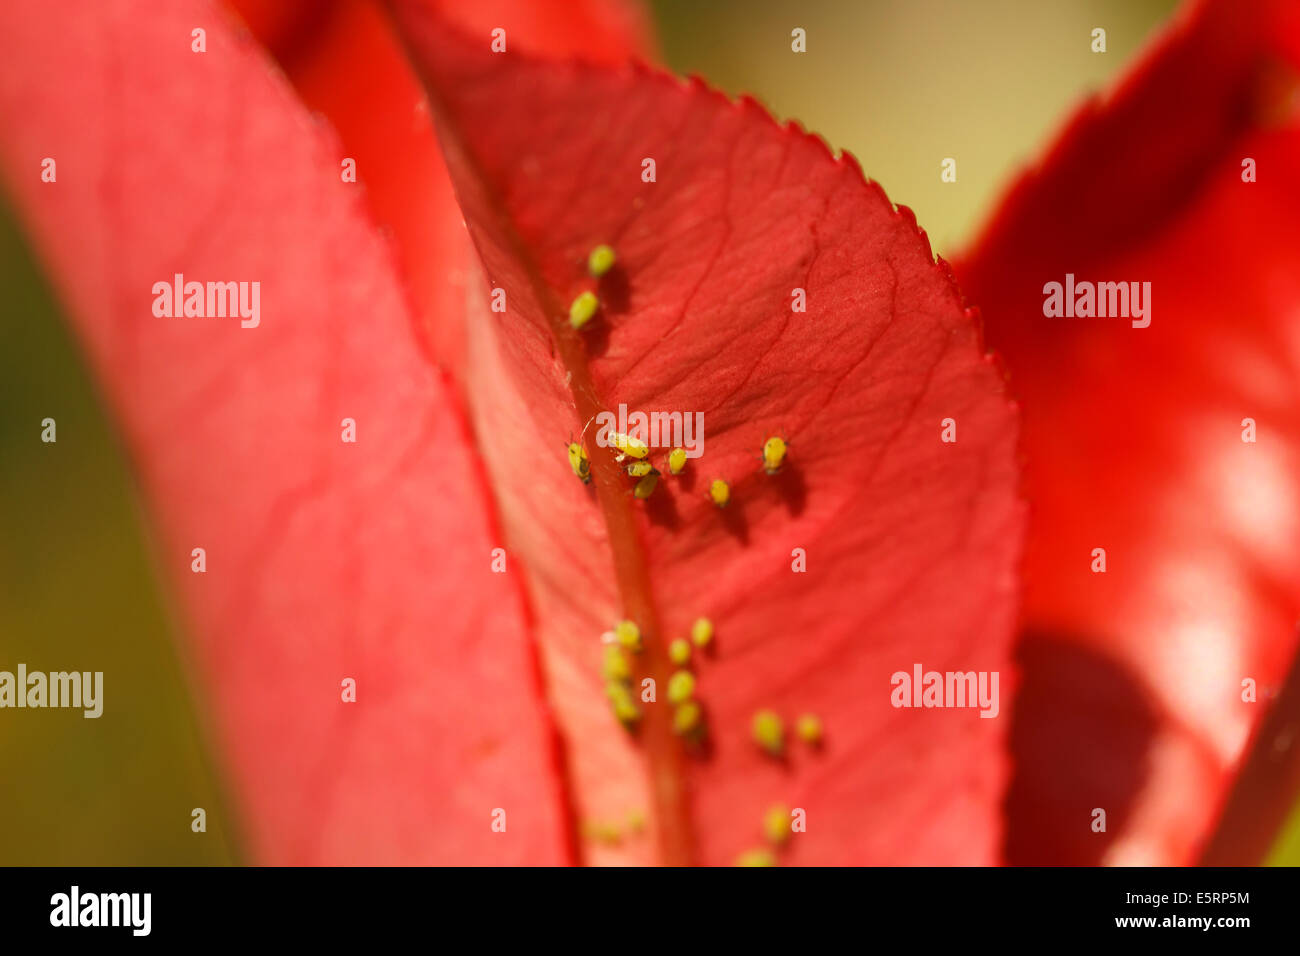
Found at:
<point>639,469</point>
<point>629,635</point>
<point>579,462</point>
<point>774,450</point>
<point>616,667</point>
<point>809,729</point>
<point>702,632</point>
<point>583,308</point>
<point>601,831</point>
<point>769,732</point>
<point>756,858</point>
<point>681,687</point>
<point>679,652</point>
<point>776,824</point>
<point>620,699</point>
<point>626,712</point>
<point>629,446</point>
<point>600,260</point>
<point>720,492</point>
<point>646,486</point>
<point>676,460</point>
<point>688,719</point>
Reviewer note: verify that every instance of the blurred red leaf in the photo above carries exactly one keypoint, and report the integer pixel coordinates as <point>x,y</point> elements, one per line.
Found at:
<point>325,560</point>
<point>910,541</point>
<point>328,560</point>
<point>345,62</point>
<point>1132,696</point>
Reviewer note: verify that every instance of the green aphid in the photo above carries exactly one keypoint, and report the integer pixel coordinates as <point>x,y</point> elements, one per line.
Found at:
<point>677,460</point>
<point>776,824</point>
<point>756,858</point>
<point>646,486</point>
<point>600,831</point>
<point>600,260</point>
<point>702,632</point>
<point>639,469</point>
<point>621,702</point>
<point>769,732</point>
<point>720,492</point>
<point>679,652</point>
<point>688,719</point>
<point>773,454</point>
<point>579,462</point>
<point>627,713</point>
<point>628,447</point>
<point>681,687</point>
<point>628,635</point>
<point>809,729</point>
<point>583,308</point>
<point>616,666</point>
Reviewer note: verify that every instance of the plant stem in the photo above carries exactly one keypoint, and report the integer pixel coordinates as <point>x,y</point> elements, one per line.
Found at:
<point>1266,786</point>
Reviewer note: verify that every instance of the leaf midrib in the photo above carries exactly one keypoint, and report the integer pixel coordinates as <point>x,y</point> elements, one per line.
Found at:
<point>665,759</point>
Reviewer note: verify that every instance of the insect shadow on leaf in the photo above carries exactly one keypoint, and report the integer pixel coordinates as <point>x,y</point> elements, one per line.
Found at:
<point>615,291</point>
<point>595,336</point>
<point>734,520</point>
<point>685,479</point>
<point>790,485</point>
<point>661,509</point>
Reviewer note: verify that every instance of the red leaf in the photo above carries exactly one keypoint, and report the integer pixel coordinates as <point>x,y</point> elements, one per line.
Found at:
<point>1133,442</point>
<point>325,560</point>
<point>910,541</point>
<point>344,61</point>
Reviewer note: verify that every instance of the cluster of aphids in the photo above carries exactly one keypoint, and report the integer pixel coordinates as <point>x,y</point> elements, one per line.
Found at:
<point>768,729</point>
<point>647,476</point>
<point>599,261</point>
<point>584,307</point>
<point>688,715</point>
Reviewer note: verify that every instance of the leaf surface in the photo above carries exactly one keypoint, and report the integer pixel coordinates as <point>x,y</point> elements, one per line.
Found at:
<point>345,61</point>
<point>325,560</point>
<point>910,541</point>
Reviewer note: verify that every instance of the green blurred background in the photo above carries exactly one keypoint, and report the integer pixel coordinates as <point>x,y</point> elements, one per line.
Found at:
<point>901,85</point>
